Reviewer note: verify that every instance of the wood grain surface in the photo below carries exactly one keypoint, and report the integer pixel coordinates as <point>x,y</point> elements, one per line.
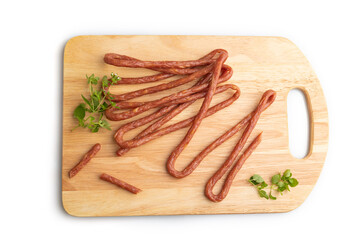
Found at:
<point>259,63</point>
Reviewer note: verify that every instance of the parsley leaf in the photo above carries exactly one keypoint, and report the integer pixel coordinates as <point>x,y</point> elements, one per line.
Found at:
<point>92,79</point>
<point>105,124</point>
<point>287,186</point>
<point>263,194</point>
<point>280,183</point>
<point>276,178</point>
<point>272,197</point>
<point>79,112</point>
<point>256,179</point>
<point>105,82</point>
<point>263,185</point>
<point>293,182</point>
<point>287,174</point>
<point>87,102</point>
<point>281,186</point>
<point>96,103</point>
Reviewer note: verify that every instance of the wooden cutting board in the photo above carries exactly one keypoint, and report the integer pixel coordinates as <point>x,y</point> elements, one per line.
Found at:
<point>259,63</point>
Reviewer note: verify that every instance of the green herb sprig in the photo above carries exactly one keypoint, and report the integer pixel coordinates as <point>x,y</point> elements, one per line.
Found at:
<point>280,183</point>
<point>100,99</point>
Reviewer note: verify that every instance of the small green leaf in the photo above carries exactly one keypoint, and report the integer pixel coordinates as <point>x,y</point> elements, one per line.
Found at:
<point>293,182</point>
<point>79,112</point>
<point>103,107</point>
<point>287,174</point>
<point>256,179</point>
<point>263,194</point>
<point>91,119</point>
<point>95,128</point>
<point>81,123</point>
<point>252,182</point>
<point>280,184</point>
<point>105,81</point>
<point>272,197</point>
<point>101,124</point>
<point>95,80</point>
<point>275,179</point>
<point>96,101</point>
<point>97,94</point>
<point>263,185</point>
<point>87,102</point>
<point>92,79</point>
<point>105,124</point>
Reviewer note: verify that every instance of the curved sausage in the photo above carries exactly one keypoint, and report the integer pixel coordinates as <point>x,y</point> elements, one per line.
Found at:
<point>151,134</point>
<point>202,112</point>
<point>184,123</point>
<point>267,99</point>
<point>211,70</point>
<point>144,106</point>
<point>161,76</point>
<point>162,87</point>
<point>112,115</point>
<point>110,112</point>
<point>132,143</point>
<point>165,72</point>
<point>227,184</point>
<point>226,75</point>
<point>125,128</point>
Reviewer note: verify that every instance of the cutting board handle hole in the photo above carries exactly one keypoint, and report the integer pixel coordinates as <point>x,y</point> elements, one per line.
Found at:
<point>298,123</point>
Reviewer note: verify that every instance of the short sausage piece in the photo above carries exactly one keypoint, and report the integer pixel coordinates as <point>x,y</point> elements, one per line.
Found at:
<point>90,154</point>
<point>120,183</point>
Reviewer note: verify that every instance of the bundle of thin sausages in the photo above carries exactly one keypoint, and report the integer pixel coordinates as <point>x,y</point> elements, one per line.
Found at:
<point>208,72</point>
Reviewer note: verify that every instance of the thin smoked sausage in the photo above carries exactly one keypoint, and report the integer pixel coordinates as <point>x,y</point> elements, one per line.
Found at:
<point>210,71</point>
<point>120,183</point>
<point>87,157</point>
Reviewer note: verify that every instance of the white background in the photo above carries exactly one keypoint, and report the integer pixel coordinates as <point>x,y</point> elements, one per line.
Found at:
<point>33,35</point>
